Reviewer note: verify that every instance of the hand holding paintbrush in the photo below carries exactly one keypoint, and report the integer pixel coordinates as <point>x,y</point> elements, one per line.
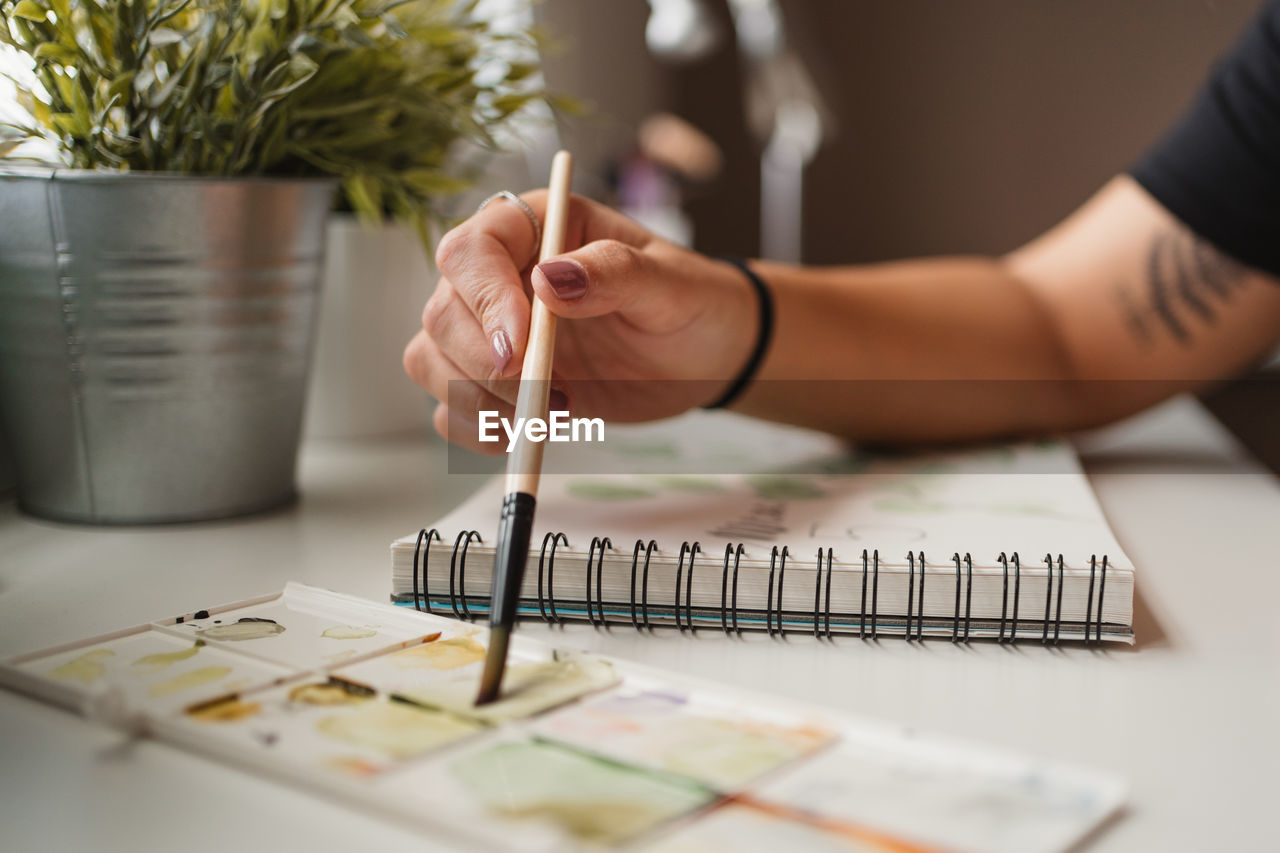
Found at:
<point>524,465</point>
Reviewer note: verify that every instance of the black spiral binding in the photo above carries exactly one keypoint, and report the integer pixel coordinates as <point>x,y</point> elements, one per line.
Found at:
<point>875,593</point>
<point>1102,589</point>
<point>427,535</point>
<point>956,636</point>
<point>820,612</point>
<point>911,579</point>
<point>1048,597</point>
<point>1088,601</point>
<point>778,558</point>
<point>920,616</point>
<point>1017,595</point>
<point>774,621</point>
<point>550,563</point>
<point>458,574</point>
<point>911,591</point>
<point>827,602</point>
<point>955,622</point>
<point>736,557</point>
<point>1004,597</point>
<point>602,545</point>
<point>644,591</point>
<point>729,551</point>
<point>692,551</point>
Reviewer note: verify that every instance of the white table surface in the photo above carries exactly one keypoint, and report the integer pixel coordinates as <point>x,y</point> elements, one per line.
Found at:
<point>1189,716</point>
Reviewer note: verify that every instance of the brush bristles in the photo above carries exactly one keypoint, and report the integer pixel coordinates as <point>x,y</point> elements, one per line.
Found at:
<point>495,663</point>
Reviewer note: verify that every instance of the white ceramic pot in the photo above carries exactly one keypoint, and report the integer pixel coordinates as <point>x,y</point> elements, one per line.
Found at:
<point>376,281</point>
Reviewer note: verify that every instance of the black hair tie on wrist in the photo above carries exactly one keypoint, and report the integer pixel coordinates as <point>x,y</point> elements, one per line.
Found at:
<point>765,335</point>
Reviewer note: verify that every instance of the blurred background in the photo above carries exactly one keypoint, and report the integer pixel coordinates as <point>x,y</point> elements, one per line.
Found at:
<point>950,127</point>
<point>942,127</point>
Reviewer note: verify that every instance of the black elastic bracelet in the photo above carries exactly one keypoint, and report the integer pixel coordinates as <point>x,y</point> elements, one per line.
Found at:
<point>765,335</point>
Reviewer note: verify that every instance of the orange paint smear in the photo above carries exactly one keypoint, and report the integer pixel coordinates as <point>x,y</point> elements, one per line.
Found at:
<point>832,825</point>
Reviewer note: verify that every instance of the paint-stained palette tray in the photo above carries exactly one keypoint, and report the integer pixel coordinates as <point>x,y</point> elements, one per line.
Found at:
<point>372,705</point>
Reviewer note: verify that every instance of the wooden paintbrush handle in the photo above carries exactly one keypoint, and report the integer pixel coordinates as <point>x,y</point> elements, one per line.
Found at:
<point>525,463</point>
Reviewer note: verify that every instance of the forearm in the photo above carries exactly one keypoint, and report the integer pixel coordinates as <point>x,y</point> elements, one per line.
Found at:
<point>1112,310</point>
<point>928,350</point>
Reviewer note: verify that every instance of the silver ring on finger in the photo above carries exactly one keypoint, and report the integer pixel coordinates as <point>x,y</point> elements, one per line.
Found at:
<point>528,212</point>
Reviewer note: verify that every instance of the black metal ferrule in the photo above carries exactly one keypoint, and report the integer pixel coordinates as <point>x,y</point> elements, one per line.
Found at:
<point>515,528</point>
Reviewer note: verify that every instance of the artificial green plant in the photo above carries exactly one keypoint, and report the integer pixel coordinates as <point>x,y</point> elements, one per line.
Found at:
<point>374,92</point>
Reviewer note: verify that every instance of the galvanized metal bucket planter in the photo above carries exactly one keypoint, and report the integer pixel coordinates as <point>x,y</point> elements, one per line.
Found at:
<point>155,337</point>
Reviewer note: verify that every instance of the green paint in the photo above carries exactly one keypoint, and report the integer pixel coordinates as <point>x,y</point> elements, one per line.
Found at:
<point>727,754</point>
<point>591,799</point>
<point>905,486</point>
<point>527,688</point>
<point>688,483</point>
<point>646,449</point>
<point>909,504</point>
<point>393,729</point>
<point>775,487</point>
<point>850,463</point>
<point>607,490</point>
<point>1033,509</point>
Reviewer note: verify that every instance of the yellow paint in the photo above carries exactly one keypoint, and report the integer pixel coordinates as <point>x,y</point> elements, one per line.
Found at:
<point>342,655</point>
<point>86,669</point>
<point>393,729</point>
<point>163,660</point>
<point>325,695</point>
<point>527,689</point>
<point>443,654</point>
<point>349,632</point>
<point>227,711</point>
<point>187,680</point>
<point>601,820</point>
<point>730,754</point>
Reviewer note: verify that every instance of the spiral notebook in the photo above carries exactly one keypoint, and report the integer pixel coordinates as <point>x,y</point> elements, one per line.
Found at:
<point>749,526</point>
<point>371,706</point>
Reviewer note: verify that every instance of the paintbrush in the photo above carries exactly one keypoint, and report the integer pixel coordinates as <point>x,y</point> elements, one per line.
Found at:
<point>524,466</point>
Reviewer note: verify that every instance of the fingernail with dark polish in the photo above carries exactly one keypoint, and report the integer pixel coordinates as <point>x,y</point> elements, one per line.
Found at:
<point>557,401</point>
<point>567,279</point>
<point>500,347</point>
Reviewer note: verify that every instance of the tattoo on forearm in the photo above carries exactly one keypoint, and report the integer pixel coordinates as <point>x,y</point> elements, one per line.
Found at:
<point>1184,281</point>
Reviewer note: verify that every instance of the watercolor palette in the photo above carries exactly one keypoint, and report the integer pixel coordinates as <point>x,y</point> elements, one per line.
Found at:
<point>551,797</point>
<point>692,735</point>
<point>326,725</point>
<point>304,628</point>
<point>372,706</point>
<point>744,824</point>
<point>938,793</point>
<point>445,674</point>
<point>148,669</point>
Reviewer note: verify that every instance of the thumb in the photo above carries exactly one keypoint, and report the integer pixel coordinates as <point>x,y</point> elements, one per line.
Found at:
<point>602,277</point>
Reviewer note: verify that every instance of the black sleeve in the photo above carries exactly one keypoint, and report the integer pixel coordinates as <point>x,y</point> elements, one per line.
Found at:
<point>1218,168</point>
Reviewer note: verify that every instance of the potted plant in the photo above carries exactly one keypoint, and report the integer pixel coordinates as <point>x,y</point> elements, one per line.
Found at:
<point>158,286</point>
